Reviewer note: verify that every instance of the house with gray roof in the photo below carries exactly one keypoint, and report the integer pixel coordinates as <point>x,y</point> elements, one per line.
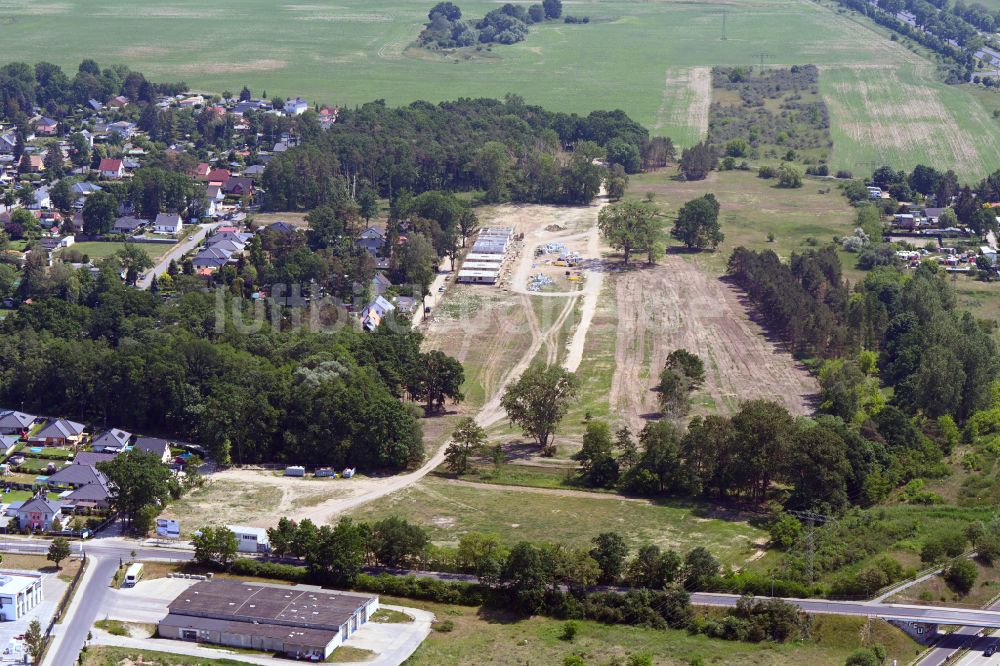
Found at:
<point>59,432</point>
<point>14,423</point>
<point>91,459</point>
<point>74,476</point>
<point>110,441</point>
<point>7,442</point>
<point>90,496</point>
<point>37,513</point>
<point>156,446</point>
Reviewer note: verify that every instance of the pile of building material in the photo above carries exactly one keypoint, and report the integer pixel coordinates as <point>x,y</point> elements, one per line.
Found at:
<point>536,282</point>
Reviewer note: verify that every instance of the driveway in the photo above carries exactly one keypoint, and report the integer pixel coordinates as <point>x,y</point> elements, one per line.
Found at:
<point>147,601</point>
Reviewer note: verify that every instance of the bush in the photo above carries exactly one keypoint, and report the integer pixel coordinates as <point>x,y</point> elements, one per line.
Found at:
<point>569,631</point>
<point>766,172</point>
<point>444,626</point>
<point>427,589</point>
<point>961,575</point>
<point>942,547</point>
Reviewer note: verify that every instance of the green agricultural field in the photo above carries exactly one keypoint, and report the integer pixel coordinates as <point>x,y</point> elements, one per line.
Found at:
<point>449,510</point>
<point>352,51</point>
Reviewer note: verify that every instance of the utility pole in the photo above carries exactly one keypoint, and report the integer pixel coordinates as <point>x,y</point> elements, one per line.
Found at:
<point>811,519</point>
<point>762,56</point>
<point>724,24</point>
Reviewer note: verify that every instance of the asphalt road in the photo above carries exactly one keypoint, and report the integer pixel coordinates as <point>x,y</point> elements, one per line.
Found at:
<point>961,638</point>
<point>176,253</point>
<point>92,596</point>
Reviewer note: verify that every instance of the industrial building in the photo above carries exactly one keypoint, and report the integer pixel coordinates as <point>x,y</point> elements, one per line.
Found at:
<point>483,262</point>
<point>302,622</point>
<point>20,591</point>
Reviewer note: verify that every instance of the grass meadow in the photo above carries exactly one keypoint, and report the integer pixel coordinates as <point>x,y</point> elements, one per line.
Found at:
<point>651,59</point>
<point>449,510</point>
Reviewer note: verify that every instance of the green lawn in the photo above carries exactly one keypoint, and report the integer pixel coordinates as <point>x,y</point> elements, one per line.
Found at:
<point>352,51</point>
<point>38,465</point>
<point>23,496</point>
<point>102,250</point>
<point>100,655</point>
<point>449,510</point>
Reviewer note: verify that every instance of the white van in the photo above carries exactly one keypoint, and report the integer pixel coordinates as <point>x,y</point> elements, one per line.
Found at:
<point>132,575</point>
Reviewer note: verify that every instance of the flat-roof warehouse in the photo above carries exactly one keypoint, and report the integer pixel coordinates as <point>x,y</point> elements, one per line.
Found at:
<point>302,622</point>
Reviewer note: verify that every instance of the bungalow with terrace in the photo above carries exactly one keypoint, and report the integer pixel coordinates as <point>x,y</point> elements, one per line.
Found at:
<point>128,225</point>
<point>90,496</point>
<point>37,513</point>
<point>111,169</point>
<point>76,476</point>
<point>156,446</point>
<point>59,432</point>
<point>167,223</point>
<point>113,440</point>
<point>15,423</point>
<point>210,259</point>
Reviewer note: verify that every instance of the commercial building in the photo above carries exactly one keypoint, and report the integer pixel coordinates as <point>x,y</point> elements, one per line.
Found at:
<point>20,591</point>
<point>250,539</point>
<point>485,258</point>
<point>302,622</point>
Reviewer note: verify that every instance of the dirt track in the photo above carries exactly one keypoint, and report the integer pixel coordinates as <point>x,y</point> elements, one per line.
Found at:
<point>676,304</point>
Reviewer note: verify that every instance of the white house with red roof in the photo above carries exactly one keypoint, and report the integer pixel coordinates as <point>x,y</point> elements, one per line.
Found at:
<point>111,168</point>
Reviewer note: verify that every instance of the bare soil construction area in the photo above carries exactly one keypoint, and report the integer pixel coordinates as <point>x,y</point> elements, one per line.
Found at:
<point>676,304</point>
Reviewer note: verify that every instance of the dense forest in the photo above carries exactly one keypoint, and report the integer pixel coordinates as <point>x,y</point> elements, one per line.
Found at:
<point>509,150</point>
<point>115,356</point>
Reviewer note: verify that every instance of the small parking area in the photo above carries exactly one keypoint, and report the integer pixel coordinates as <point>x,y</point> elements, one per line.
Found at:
<point>147,601</point>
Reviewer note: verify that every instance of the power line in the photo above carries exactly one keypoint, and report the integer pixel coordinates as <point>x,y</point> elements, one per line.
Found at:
<point>762,56</point>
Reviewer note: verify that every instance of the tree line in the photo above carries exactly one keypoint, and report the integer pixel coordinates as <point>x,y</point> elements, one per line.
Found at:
<point>508,149</point>
<point>529,578</point>
<point>110,355</point>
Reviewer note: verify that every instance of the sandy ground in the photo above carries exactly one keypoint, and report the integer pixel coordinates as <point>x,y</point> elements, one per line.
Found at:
<point>675,304</point>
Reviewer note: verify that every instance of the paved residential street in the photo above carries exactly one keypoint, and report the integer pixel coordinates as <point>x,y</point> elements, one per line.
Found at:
<point>178,251</point>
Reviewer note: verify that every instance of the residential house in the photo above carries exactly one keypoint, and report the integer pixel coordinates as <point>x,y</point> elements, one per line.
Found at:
<point>46,127</point>
<point>31,164</point>
<point>239,186</point>
<point>95,105</point>
<point>214,197</point>
<point>8,141</point>
<point>54,243</point>
<point>84,189</point>
<point>281,227</point>
<point>933,215</point>
<point>373,314</point>
<point>59,432</point>
<point>255,172</point>
<point>167,223</point>
<point>91,459</point>
<point>372,240</point>
<point>407,305</point>
<point>122,128</point>
<point>380,283</point>
<point>41,199</point>
<point>77,221</point>
<point>296,107</point>
<point>113,440</point>
<point>128,225</point>
<point>233,236</point>
<point>7,443</point>
<point>191,102</point>
<point>118,102</point>
<point>37,513</point>
<point>201,172</point>
<point>210,259</point>
<point>156,446</point>
<point>76,476</point>
<point>90,496</point>
<point>220,176</point>
<point>111,169</point>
